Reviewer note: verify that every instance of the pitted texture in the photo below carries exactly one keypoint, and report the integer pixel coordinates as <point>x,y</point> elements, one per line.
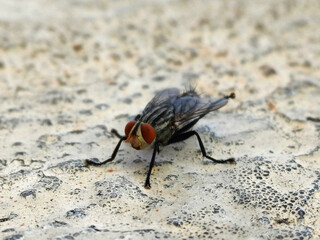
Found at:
<point>70,71</point>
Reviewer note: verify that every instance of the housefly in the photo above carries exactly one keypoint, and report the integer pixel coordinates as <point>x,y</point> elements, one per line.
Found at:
<point>167,119</point>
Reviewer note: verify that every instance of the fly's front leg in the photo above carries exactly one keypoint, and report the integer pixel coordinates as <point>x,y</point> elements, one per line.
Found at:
<point>186,135</point>
<point>115,132</point>
<point>114,154</point>
<point>155,149</point>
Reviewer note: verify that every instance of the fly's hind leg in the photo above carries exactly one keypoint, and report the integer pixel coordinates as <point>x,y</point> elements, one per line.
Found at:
<point>186,135</point>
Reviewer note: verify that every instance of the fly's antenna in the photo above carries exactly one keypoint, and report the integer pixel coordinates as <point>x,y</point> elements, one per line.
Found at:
<point>232,96</point>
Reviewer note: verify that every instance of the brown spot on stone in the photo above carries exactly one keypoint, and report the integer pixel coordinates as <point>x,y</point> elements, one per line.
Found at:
<point>77,47</point>
<point>267,70</point>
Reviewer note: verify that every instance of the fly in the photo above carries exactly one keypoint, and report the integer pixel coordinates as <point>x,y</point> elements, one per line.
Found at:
<point>167,118</point>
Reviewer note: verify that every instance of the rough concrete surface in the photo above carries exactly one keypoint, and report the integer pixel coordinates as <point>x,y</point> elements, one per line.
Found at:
<point>70,71</point>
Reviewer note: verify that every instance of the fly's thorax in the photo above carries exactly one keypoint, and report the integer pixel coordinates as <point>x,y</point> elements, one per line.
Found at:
<point>139,134</point>
<point>161,117</point>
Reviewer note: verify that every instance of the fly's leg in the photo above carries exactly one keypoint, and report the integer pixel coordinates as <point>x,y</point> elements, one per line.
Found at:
<point>155,149</point>
<point>186,135</point>
<point>115,132</point>
<point>114,154</point>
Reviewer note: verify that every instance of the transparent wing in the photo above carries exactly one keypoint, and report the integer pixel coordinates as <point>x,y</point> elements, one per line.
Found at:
<point>166,96</point>
<point>191,108</point>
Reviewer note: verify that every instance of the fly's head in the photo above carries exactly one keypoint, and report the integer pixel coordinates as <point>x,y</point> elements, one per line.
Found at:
<point>139,134</point>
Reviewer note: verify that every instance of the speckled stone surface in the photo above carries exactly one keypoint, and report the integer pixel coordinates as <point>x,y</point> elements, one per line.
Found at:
<point>70,71</point>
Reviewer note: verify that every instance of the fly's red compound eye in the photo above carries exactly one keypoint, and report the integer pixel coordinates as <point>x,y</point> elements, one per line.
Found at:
<point>148,132</point>
<point>128,128</point>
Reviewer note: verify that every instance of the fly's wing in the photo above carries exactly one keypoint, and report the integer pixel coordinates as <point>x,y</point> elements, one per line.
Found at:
<point>190,109</point>
<point>166,96</point>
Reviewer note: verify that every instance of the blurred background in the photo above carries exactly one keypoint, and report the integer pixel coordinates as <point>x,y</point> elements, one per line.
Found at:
<point>72,70</point>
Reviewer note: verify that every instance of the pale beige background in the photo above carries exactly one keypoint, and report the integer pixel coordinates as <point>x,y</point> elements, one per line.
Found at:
<point>70,71</point>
